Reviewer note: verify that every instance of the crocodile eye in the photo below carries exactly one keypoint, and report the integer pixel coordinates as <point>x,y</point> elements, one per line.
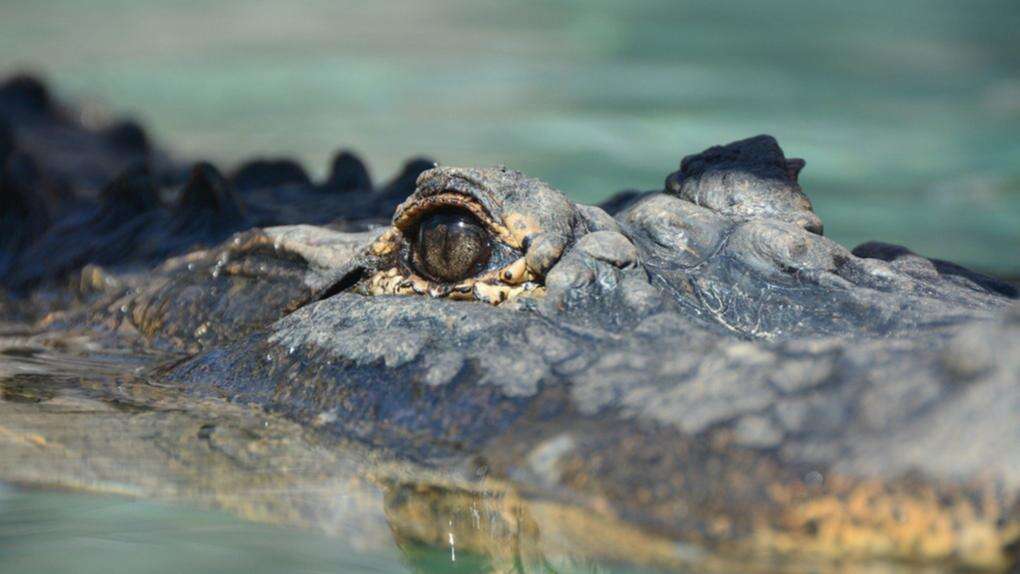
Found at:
<point>452,246</point>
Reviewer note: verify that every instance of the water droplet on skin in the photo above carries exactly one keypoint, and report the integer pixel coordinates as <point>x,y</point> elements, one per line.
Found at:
<point>224,258</point>
<point>325,418</point>
<point>453,547</point>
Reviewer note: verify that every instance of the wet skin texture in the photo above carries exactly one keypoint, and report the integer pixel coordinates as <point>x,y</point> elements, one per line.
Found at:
<point>701,362</point>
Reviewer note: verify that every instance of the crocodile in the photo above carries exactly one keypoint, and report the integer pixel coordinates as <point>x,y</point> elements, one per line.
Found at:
<point>697,365</point>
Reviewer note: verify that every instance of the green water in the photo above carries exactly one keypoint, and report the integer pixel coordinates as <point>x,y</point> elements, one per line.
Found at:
<point>59,532</point>
<point>908,112</point>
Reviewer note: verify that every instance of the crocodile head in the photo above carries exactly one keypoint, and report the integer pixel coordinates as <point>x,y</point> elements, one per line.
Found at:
<point>702,362</point>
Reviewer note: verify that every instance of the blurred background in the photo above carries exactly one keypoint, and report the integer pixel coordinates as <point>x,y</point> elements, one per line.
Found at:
<point>907,112</point>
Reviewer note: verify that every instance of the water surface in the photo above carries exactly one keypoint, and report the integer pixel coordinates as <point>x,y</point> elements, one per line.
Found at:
<point>44,532</point>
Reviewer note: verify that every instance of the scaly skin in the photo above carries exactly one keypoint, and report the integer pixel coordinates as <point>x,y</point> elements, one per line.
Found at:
<point>702,364</point>
<point>733,380</point>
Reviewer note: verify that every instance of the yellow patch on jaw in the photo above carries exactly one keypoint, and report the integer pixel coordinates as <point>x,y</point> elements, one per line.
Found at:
<point>914,522</point>
<point>387,243</point>
<point>391,282</point>
<point>516,273</point>
<point>496,294</point>
<point>520,227</point>
<point>384,282</point>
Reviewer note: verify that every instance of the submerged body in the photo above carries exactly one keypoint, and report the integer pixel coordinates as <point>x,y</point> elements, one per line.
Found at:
<point>701,364</point>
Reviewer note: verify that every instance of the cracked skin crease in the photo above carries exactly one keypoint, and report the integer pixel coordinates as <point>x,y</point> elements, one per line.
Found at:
<point>701,362</point>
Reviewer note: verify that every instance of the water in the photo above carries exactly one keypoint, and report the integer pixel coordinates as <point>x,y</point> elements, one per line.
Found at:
<point>43,532</point>
<point>907,112</point>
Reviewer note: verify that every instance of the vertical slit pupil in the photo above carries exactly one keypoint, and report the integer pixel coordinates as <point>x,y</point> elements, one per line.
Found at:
<point>452,245</point>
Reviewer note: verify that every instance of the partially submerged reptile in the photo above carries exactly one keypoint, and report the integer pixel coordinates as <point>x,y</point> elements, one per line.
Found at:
<point>699,363</point>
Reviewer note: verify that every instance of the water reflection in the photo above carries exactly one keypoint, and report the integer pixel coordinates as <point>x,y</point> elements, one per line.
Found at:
<point>498,531</point>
